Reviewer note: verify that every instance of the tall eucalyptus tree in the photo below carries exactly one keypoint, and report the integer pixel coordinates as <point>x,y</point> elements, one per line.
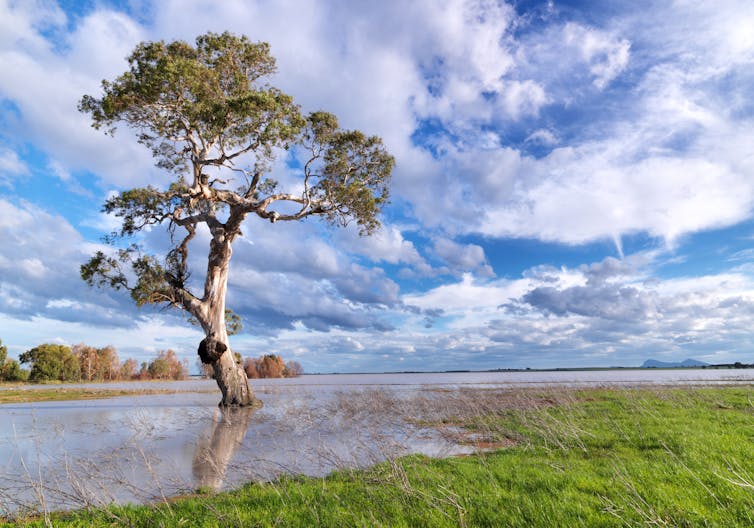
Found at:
<point>214,123</point>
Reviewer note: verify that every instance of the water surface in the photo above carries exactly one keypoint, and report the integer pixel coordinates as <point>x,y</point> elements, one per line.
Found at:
<point>141,448</point>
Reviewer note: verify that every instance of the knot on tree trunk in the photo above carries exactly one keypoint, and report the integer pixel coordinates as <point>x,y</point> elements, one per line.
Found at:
<point>210,350</point>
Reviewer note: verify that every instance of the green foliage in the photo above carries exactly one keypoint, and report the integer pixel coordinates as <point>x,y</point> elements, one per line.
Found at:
<point>214,90</point>
<point>159,369</point>
<point>167,366</point>
<point>353,173</point>
<point>10,370</point>
<point>50,362</point>
<point>233,323</point>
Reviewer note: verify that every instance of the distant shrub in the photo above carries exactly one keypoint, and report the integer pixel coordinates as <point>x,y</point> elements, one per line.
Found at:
<point>167,366</point>
<point>10,370</point>
<point>271,366</point>
<point>50,362</point>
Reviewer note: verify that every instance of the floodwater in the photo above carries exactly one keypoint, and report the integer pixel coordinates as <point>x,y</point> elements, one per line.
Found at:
<point>57,455</point>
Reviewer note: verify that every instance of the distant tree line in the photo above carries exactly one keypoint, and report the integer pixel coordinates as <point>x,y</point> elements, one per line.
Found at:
<point>265,366</point>
<point>51,362</point>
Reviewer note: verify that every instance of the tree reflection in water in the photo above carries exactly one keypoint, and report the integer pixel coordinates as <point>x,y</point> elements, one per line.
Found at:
<point>215,450</point>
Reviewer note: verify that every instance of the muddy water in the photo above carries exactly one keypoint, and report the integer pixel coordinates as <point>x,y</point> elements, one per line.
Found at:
<point>141,448</point>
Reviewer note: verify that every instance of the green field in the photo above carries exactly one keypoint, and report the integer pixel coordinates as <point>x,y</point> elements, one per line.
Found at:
<point>628,457</point>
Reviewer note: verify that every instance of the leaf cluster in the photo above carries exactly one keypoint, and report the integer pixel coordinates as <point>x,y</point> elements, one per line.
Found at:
<point>210,94</point>
<point>149,282</point>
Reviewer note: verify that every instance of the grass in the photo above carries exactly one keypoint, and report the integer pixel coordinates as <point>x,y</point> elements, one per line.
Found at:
<point>638,457</point>
<point>20,395</point>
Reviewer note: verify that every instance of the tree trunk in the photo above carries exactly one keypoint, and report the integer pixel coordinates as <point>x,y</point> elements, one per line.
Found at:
<point>215,348</point>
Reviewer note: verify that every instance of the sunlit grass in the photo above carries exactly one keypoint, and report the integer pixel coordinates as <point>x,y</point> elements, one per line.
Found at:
<point>640,457</point>
<point>20,395</point>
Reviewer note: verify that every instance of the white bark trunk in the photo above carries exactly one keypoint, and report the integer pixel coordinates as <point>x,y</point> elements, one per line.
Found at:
<point>230,376</point>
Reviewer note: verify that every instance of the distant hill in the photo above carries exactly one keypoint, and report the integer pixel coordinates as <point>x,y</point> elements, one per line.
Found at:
<point>653,363</point>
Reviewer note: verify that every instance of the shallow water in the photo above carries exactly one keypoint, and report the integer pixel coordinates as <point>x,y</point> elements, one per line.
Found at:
<point>329,382</point>
<point>139,448</point>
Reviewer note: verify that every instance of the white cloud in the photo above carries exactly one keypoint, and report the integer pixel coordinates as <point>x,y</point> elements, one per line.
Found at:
<point>463,257</point>
<point>11,166</point>
<point>386,245</point>
<point>520,98</point>
<point>582,198</point>
<point>48,82</point>
<point>542,136</point>
<point>605,55</point>
<point>22,23</point>
<point>468,295</point>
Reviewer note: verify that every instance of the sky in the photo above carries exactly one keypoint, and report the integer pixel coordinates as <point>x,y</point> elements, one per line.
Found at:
<point>574,182</point>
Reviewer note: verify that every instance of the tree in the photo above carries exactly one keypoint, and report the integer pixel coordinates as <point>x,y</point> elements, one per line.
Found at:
<point>97,364</point>
<point>159,369</point>
<point>212,121</point>
<point>51,362</point>
<point>266,366</point>
<point>167,366</point>
<point>293,369</point>
<point>87,357</point>
<point>129,368</point>
<point>108,363</point>
<point>250,367</point>
<point>10,370</point>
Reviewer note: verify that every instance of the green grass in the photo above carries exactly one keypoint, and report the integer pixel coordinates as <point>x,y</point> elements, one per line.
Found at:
<point>20,395</point>
<point>660,457</point>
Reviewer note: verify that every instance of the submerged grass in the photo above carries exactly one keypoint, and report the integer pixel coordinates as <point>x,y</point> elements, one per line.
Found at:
<point>638,457</point>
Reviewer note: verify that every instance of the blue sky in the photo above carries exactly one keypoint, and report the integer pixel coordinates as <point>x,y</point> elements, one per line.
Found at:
<point>574,182</point>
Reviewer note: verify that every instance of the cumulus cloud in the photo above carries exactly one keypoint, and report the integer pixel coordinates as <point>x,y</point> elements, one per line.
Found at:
<point>605,55</point>
<point>39,271</point>
<point>386,245</point>
<point>463,257</point>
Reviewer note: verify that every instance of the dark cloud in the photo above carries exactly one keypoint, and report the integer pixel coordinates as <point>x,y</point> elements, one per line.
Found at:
<point>462,258</point>
<point>605,301</point>
<point>610,268</point>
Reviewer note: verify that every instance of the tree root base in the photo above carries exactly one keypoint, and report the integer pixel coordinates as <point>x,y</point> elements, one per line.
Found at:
<point>255,403</point>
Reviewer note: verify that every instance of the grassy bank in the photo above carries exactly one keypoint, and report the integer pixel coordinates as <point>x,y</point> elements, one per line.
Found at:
<point>21,395</point>
<point>660,457</point>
